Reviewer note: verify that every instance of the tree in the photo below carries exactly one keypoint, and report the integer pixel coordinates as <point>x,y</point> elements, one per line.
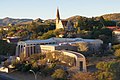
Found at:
<point>117,53</point>
<point>58,32</point>
<point>102,20</point>
<point>103,72</point>
<point>82,47</point>
<point>33,36</point>
<point>83,76</point>
<point>108,70</point>
<point>47,35</point>
<point>116,46</point>
<point>59,74</point>
<point>6,48</point>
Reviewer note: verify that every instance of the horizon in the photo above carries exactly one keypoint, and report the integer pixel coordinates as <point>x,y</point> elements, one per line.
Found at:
<point>38,9</point>
<point>55,17</point>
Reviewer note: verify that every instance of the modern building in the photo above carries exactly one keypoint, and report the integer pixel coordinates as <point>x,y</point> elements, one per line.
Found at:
<point>37,46</point>
<point>66,45</point>
<point>80,60</point>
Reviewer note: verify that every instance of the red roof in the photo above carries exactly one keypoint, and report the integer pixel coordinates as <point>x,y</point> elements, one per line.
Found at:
<point>111,27</point>
<point>64,22</point>
<point>20,31</point>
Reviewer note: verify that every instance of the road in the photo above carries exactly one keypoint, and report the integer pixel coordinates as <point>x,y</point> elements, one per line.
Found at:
<point>5,78</point>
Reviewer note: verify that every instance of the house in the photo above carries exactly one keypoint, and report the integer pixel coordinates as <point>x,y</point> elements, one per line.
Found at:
<point>116,33</point>
<point>5,28</point>
<point>111,27</point>
<point>13,40</point>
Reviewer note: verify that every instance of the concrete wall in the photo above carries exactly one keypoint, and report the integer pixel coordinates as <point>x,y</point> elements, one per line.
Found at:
<point>57,47</point>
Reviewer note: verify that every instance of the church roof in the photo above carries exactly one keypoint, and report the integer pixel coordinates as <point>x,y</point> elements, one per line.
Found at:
<point>64,22</point>
<point>58,15</point>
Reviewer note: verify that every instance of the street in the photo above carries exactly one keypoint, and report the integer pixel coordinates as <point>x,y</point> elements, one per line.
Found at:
<point>5,78</point>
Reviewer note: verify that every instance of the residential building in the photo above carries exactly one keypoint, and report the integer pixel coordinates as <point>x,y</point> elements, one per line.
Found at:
<point>116,33</point>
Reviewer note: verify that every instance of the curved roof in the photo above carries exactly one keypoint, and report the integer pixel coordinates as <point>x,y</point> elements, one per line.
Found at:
<point>61,40</point>
<point>73,54</point>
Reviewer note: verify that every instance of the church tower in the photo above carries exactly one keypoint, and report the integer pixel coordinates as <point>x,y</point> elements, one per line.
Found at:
<point>58,20</point>
<point>57,16</point>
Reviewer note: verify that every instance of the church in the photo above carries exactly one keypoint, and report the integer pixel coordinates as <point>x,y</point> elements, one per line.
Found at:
<point>63,24</point>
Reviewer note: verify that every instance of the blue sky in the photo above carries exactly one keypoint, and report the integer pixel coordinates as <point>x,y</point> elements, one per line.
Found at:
<point>46,9</point>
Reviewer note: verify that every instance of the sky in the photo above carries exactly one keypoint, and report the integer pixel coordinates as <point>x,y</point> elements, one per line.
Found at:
<point>46,9</point>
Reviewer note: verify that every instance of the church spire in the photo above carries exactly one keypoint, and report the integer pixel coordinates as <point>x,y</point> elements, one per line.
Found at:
<point>58,15</point>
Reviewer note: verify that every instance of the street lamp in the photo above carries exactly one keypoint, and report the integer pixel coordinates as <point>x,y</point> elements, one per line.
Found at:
<point>35,74</point>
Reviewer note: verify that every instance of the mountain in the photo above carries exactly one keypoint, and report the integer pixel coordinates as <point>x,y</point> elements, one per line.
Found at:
<point>113,17</point>
<point>76,18</point>
<point>7,20</point>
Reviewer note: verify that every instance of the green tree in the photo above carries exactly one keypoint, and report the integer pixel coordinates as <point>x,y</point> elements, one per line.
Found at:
<point>116,46</point>
<point>117,53</point>
<point>47,35</point>
<point>83,76</point>
<point>59,74</point>
<point>6,48</point>
<point>108,70</point>
<point>58,32</point>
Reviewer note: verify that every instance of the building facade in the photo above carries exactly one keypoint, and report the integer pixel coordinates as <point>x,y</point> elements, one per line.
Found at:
<point>66,45</point>
<point>37,46</point>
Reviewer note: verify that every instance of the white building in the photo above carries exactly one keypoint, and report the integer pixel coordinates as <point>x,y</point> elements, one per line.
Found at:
<point>116,33</point>
<point>37,46</point>
<point>61,44</point>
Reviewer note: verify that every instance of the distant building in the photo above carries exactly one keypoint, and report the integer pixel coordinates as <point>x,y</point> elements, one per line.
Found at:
<point>111,27</point>
<point>116,33</point>
<point>6,28</point>
<point>13,40</point>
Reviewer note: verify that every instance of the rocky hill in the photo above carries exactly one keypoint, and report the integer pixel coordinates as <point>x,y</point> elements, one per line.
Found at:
<point>115,16</point>
<point>7,20</point>
<point>76,18</point>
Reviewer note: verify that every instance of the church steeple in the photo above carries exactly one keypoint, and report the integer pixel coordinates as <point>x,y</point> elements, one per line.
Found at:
<point>58,15</point>
<point>59,23</point>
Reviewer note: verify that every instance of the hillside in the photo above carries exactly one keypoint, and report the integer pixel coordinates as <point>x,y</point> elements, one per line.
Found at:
<point>76,18</point>
<point>7,20</point>
<point>115,16</point>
